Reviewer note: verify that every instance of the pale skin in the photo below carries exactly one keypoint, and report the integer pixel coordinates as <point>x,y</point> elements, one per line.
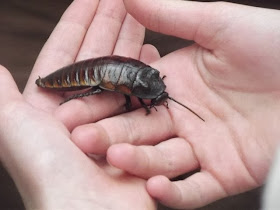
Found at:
<point>230,77</point>
<point>50,171</point>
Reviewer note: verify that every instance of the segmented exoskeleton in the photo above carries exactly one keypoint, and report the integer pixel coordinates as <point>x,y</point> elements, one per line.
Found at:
<point>112,73</point>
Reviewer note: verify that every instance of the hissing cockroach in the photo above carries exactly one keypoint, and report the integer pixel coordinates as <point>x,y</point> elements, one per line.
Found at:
<point>113,73</point>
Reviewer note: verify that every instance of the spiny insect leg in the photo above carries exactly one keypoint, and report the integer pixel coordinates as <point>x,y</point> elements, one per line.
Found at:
<point>80,95</point>
<point>145,106</point>
<point>127,102</point>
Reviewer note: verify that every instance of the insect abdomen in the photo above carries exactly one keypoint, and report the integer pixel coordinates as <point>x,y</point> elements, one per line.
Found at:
<point>113,73</point>
<point>76,76</point>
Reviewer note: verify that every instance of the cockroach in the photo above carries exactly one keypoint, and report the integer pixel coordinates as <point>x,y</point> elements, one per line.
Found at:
<point>112,73</point>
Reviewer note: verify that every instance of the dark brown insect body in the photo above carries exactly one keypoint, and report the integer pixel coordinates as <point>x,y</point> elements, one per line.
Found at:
<point>113,73</point>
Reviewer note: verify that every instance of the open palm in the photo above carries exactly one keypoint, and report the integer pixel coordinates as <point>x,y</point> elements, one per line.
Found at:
<point>228,79</point>
<point>105,29</point>
<point>49,170</point>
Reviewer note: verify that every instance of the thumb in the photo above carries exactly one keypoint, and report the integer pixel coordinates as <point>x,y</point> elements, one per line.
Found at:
<point>8,88</point>
<point>198,21</point>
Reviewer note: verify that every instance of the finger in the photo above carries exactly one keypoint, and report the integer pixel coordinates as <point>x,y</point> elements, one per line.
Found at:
<point>60,49</point>
<point>103,32</point>
<point>133,127</point>
<point>7,83</point>
<point>195,191</point>
<point>197,21</point>
<point>169,158</point>
<point>149,54</point>
<point>130,39</point>
<point>90,109</point>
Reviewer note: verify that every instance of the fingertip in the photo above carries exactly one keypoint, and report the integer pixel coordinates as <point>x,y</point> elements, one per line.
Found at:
<point>149,54</point>
<point>129,5</point>
<point>7,83</point>
<point>90,139</point>
<point>157,186</point>
<point>162,189</point>
<point>82,137</point>
<point>2,69</point>
<point>6,77</point>
<point>121,155</point>
<point>193,192</point>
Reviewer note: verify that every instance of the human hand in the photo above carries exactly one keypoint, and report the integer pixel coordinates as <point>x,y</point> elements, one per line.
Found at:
<point>102,28</point>
<point>50,172</point>
<point>230,77</point>
<point>48,169</point>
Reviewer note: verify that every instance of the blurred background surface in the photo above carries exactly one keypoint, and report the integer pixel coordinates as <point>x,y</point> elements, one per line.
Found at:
<point>26,25</point>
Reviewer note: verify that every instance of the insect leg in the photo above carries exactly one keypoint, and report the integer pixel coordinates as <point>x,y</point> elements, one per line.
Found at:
<point>145,106</point>
<point>127,102</point>
<point>152,106</point>
<point>92,91</point>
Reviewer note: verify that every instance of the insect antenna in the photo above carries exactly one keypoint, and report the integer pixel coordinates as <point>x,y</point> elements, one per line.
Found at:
<point>186,108</point>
